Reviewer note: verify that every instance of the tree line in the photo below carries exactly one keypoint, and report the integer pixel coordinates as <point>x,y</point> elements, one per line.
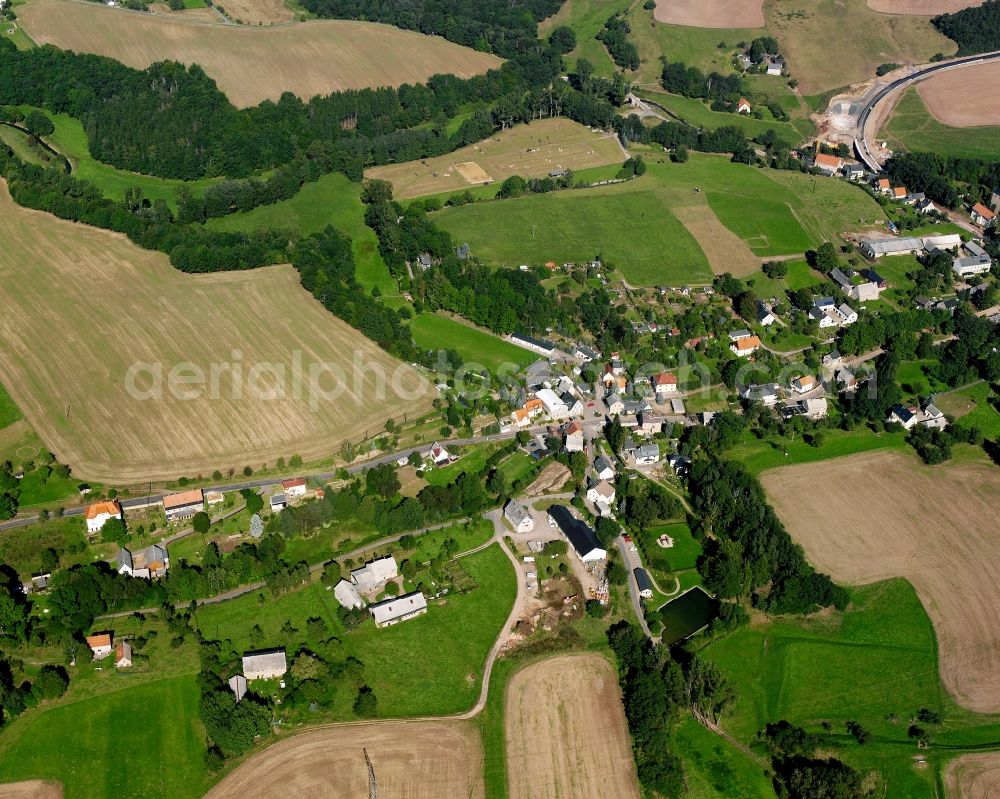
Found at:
<point>975,29</point>
<point>939,176</point>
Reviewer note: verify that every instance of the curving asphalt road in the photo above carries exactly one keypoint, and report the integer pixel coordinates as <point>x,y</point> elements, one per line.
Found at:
<point>861,139</point>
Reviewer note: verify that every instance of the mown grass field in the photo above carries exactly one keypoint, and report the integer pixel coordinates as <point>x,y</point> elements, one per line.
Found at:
<point>331,200</point>
<point>913,127</point>
<point>759,456</point>
<point>799,276</point>
<point>973,407</point>
<point>476,346</point>
<point>635,225</point>
<point>69,372</point>
<point>251,64</point>
<point>714,768</point>
<point>429,665</point>
<point>874,661</point>
<point>695,112</point>
<point>531,151</point>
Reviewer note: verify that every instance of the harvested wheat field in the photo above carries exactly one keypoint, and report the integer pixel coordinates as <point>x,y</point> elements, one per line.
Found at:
<point>411,760</point>
<point>80,307</point>
<point>974,776</point>
<point>956,97</point>
<point>259,12</point>
<point>725,251</point>
<point>711,13</point>
<point>251,64</point>
<point>531,151</point>
<point>31,789</point>
<point>566,731</point>
<point>877,515</point>
<point>921,8</point>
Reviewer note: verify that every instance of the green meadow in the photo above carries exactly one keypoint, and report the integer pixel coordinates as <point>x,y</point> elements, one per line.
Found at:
<point>425,666</point>
<point>913,127</point>
<point>714,768</point>
<point>331,200</point>
<point>695,112</point>
<point>632,225</point>
<point>875,663</point>
<point>476,346</point>
<point>760,455</point>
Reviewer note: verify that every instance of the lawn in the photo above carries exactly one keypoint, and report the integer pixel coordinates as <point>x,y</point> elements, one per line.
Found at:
<point>915,379</point>
<point>425,666</point>
<point>913,127</point>
<point>70,139</point>
<point>876,663</point>
<point>21,548</point>
<point>9,412</point>
<point>972,406</point>
<point>760,455</point>
<point>635,230</point>
<point>799,276</point>
<point>714,768</point>
<point>471,459</point>
<point>634,224</point>
<point>768,226</point>
<point>331,200</point>
<point>477,347</point>
<point>146,740</point>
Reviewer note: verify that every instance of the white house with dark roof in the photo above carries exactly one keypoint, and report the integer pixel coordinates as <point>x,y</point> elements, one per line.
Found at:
<point>267,664</point>
<point>603,468</point>
<point>401,608</point>
<point>519,517</point>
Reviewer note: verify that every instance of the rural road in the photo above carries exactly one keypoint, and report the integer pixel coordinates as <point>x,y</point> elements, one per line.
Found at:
<point>389,457</point>
<point>867,112</point>
<point>631,564</point>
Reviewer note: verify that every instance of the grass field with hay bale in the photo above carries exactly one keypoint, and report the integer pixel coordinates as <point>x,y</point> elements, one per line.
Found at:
<point>913,127</point>
<point>560,746</point>
<point>934,527</point>
<point>67,371</point>
<point>667,227</point>
<point>251,64</point>
<point>531,151</point>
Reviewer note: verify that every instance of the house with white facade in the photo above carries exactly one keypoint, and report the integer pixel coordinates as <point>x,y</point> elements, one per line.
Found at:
<point>97,513</point>
<point>398,609</point>
<point>266,664</point>
<point>520,519</point>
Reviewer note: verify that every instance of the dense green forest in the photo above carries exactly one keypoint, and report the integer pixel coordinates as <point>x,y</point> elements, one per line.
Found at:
<point>976,29</point>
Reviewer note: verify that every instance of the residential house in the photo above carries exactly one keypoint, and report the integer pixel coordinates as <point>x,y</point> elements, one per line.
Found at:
<point>804,384</point>
<point>629,421</point>
<point>976,261</point>
<point>764,316</point>
<point>828,164</point>
<point>601,492</point>
<point>603,468</point>
<point>650,423</point>
<point>375,574</point>
<point>238,685</point>
<point>97,513</point>
<point>647,454</point>
<point>926,206</point>
<point>294,488</point>
<point>883,186</point>
<point>522,416</point>
<point>425,261</point>
<point>832,359</point>
<point>579,534</point>
<point>613,402</point>
<point>540,345</point>
<point>151,563</point>
<point>636,407</point>
<point>214,498</point>
<point>573,437</point>
<point>814,409</point>
<point>910,416</point>
<point>37,584</point>
<point>982,216</point>
<point>520,519</point>
<point>553,405</point>
<point>933,417</point>
<point>347,595</point>
<point>681,464</point>
<point>572,403</point>
<point>899,193</point>
<point>854,172</point>
<point>628,447</point>
<point>643,583</point>
<point>848,316</point>
<point>766,393</point>
<point>747,345</point>
<point>914,198</point>
<point>438,454</point>
<point>266,664</point>
<point>743,106</point>
<point>278,502</point>
<point>825,315</point>
<point>184,504</point>
<point>100,644</point>
<point>393,611</point>
<point>775,65</point>
<point>123,655</point>
<point>664,384</point>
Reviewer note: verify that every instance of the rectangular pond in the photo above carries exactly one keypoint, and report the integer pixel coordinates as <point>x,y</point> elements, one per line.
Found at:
<point>687,614</point>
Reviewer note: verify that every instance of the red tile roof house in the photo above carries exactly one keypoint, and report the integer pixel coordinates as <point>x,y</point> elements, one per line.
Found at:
<point>982,215</point>
<point>97,513</point>
<point>100,644</point>
<point>295,487</point>
<point>743,106</point>
<point>830,164</point>
<point>664,383</point>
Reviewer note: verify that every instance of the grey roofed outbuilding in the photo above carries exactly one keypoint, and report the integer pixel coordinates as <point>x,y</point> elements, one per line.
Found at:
<point>238,685</point>
<point>890,246</point>
<point>642,579</point>
<point>347,595</point>
<point>601,463</point>
<point>124,558</point>
<point>647,451</point>
<point>841,279</point>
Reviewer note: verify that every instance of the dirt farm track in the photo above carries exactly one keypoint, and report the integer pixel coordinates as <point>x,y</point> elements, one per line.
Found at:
<point>877,515</point>
<point>251,64</point>
<point>544,713</point>
<point>411,760</point>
